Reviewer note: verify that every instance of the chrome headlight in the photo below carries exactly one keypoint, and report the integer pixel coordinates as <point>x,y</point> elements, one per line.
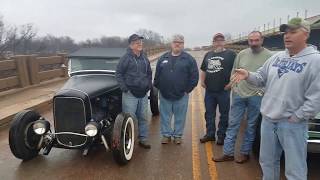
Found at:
<point>40,127</point>
<point>91,129</point>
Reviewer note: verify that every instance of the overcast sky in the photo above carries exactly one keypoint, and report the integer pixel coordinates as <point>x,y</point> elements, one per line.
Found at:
<point>197,20</point>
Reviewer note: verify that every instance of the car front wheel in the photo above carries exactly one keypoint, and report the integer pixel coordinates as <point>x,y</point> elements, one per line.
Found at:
<point>122,143</point>
<point>23,141</point>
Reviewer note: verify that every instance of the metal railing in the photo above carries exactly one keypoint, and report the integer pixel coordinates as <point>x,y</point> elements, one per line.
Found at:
<point>27,70</point>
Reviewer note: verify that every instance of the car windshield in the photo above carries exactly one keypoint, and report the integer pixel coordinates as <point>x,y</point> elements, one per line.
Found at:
<point>85,64</point>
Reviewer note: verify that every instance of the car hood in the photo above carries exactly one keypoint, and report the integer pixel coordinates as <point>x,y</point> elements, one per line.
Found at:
<point>92,85</point>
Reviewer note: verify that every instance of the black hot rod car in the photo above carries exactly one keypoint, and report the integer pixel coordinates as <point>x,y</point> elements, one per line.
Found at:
<point>86,112</point>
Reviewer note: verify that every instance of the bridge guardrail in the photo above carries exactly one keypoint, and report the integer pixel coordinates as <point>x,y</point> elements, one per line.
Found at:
<point>28,70</point>
<point>25,70</point>
<point>155,50</point>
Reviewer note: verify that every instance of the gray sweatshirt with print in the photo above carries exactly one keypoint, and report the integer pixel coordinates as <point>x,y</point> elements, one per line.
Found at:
<point>292,85</point>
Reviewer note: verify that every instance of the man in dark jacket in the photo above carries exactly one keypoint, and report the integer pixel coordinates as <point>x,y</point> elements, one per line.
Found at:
<point>215,74</point>
<point>176,76</point>
<point>134,77</point>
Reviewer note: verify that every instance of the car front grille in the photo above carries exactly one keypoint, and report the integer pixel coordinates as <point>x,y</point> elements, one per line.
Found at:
<point>70,121</point>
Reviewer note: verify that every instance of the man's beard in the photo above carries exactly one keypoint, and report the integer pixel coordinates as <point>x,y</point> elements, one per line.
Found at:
<point>176,51</point>
<point>219,49</point>
<point>256,49</point>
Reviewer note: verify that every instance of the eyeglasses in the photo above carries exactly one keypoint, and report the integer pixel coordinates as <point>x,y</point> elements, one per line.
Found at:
<point>218,40</point>
<point>178,42</point>
<point>137,42</point>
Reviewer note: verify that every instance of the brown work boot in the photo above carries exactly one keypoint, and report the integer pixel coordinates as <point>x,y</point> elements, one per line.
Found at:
<point>207,138</point>
<point>243,158</point>
<point>220,141</point>
<point>223,158</point>
<point>144,144</point>
<point>177,140</point>
<point>165,140</point>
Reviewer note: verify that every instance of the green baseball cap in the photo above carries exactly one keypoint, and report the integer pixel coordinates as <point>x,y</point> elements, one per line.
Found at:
<point>295,23</point>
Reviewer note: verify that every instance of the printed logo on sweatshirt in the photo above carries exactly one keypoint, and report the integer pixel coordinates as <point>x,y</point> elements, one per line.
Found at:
<point>286,65</point>
<point>214,64</point>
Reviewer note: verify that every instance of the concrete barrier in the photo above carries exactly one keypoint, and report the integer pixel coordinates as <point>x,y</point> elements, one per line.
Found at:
<point>39,91</point>
<point>26,70</point>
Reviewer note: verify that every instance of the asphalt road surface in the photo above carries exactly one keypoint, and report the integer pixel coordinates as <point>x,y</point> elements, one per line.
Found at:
<point>190,160</point>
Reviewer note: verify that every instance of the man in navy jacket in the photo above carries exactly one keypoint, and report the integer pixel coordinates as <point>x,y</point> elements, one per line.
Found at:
<point>176,76</point>
<point>134,77</point>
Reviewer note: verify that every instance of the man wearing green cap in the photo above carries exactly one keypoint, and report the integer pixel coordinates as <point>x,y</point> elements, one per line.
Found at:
<point>292,84</point>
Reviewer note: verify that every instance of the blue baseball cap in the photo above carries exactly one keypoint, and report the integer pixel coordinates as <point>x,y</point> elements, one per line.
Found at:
<point>134,37</point>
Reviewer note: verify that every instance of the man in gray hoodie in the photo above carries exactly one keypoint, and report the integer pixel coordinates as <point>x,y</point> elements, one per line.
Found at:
<point>292,84</point>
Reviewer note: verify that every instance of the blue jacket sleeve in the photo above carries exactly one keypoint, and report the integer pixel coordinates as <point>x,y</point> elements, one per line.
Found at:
<point>194,75</point>
<point>121,69</point>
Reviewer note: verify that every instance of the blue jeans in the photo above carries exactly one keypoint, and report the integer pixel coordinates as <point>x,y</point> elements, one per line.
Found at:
<point>238,107</point>
<point>138,108</point>
<point>212,100</point>
<point>290,137</point>
<point>178,109</point>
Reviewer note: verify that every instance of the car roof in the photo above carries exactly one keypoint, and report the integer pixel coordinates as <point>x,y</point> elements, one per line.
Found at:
<point>98,53</point>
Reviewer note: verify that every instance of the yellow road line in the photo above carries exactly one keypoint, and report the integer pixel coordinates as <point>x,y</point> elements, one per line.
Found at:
<point>196,170</point>
<point>211,164</point>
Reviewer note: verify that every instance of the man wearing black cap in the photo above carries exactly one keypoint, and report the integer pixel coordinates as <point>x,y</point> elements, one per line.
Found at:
<point>215,74</point>
<point>135,79</point>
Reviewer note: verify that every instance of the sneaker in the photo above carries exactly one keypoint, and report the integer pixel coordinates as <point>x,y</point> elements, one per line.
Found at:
<point>242,158</point>
<point>223,158</point>
<point>220,141</point>
<point>165,140</point>
<point>206,138</point>
<point>144,144</point>
<point>177,140</point>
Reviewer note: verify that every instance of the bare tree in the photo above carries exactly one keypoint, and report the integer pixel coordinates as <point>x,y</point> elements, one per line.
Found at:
<point>227,36</point>
<point>105,42</point>
<point>50,44</point>
<point>14,38</point>
<point>25,36</point>
<point>151,38</point>
<point>113,41</point>
<point>23,40</point>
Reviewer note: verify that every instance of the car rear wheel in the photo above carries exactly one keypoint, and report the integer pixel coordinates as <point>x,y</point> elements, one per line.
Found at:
<point>123,138</point>
<point>154,101</point>
<point>23,140</point>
